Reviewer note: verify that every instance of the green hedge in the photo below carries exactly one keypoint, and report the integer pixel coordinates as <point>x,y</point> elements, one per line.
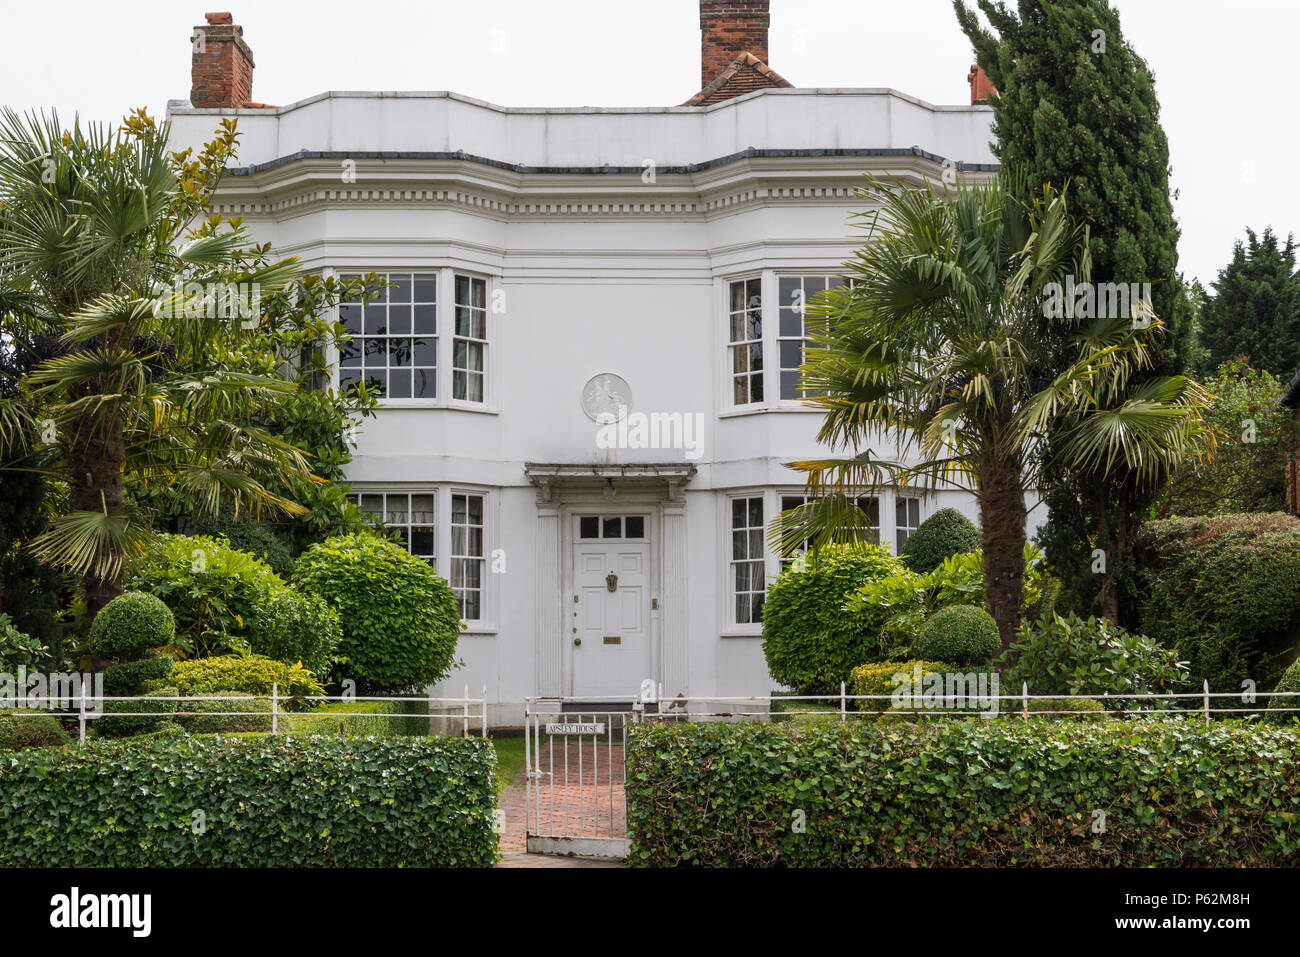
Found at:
<point>964,793</point>
<point>30,729</point>
<point>962,634</point>
<point>266,802</point>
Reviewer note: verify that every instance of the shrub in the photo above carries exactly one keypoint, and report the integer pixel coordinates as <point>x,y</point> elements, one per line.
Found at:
<point>130,677</point>
<point>961,634</point>
<point>1073,656</point>
<point>1053,706</point>
<point>878,678</point>
<point>1225,590</point>
<point>123,719</point>
<point>254,715</point>
<point>297,627</point>
<point>18,649</point>
<point>131,625</point>
<point>362,719</point>
<point>945,533</point>
<point>903,601</point>
<point>964,793</point>
<point>214,591</point>
<point>268,802</point>
<point>400,620</point>
<point>1290,683</point>
<point>253,539</point>
<point>31,730</point>
<point>246,675</point>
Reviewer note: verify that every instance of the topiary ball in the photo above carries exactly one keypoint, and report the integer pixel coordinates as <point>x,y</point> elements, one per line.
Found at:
<point>962,634</point>
<point>945,533</point>
<point>131,625</point>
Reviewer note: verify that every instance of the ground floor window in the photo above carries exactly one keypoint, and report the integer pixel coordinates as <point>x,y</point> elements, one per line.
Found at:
<point>907,519</point>
<point>748,553</point>
<point>467,554</point>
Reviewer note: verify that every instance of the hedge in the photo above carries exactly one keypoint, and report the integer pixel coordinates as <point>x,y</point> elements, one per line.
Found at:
<point>30,729</point>
<point>877,678</point>
<point>1173,792</point>
<point>962,634</point>
<point>1225,591</point>
<point>251,802</point>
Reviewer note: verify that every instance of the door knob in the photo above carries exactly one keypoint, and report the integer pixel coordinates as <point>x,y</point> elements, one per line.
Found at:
<point>577,641</point>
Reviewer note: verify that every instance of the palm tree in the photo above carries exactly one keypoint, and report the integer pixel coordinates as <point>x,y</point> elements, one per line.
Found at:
<point>939,348</point>
<point>109,282</point>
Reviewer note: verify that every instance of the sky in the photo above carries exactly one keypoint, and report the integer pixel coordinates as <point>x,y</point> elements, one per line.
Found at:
<point>1221,69</point>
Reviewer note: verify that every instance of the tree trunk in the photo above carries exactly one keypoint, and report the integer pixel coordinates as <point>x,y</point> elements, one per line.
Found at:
<point>96,453</point>
<point>1002,534</point>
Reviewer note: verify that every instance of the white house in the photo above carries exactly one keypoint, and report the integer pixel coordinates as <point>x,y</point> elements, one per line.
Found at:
<point>557,267</point>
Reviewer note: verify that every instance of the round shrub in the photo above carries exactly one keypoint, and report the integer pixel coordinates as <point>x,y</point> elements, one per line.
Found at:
<point>294,626</point>
<point>962,634</point>
<point>246,675</point>
<point>810,642</point>
<point>945,533</point>
<point>400,620</point>
<point>1290,682</point>
<point>130,625</point>
<point>31,730</point>
<point>130,677</point>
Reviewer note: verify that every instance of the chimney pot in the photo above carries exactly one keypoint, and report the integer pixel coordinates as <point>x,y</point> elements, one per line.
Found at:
<point>217,18</point>
<point>980,85</point>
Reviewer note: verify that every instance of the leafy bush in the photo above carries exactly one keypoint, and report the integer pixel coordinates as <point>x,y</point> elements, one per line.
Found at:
<point>400,620</point>
<point>131,625</point>
<point>810,641</point>
<point>254,539</point>
<point>362,719</point>
<point>18,649</point>
<point>964,793</point>
<point>31,729</point>
<point>904,600</point>
<point>1290,683</point>
<point>1054,706</point>
<point>150,713</point>
<point>267,802</point>
<point>254,715</point>
<point>227,600</point>
<point>877,678</point>
<point>246,675</point>
<point>1225,590</point>
<point>945,533</point>
<point>961,634</point>
<point>130,677</point>
<point>1074,656</point>
<point>297,627</point>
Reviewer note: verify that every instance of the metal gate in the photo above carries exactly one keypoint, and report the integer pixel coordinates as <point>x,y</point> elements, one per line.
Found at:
<point>575,777</point>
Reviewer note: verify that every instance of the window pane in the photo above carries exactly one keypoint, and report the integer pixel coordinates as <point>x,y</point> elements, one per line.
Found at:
<point>422,541</point>
<point>635,526</point>
<point>612,528</point>
<point>738,513</point>
<point>423,387</point>
<point>426,288</point>
<point>399,320</point>
<point>400,290</point>
<point>399,384</point>
<point>589,526</point>
<point>376,320</point>
<point>426,320</point>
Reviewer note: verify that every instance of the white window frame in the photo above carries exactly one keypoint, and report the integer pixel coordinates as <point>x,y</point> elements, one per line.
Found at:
<point>899,499</point>
<point>445,337</point>
<point>729,388</point>
<point>730,562</point>
<point>487,624</point>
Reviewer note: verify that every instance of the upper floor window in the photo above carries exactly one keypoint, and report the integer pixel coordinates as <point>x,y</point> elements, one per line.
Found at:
<point>470,347</point>
<point>395,337</point>
<point>745,313</point>
<point>394,346</point>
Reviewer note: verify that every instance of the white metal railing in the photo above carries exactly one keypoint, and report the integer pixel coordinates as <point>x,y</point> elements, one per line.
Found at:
<point>89,708</point>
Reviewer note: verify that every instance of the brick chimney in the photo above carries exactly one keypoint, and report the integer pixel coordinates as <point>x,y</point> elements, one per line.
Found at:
<point>980,85</point>
<point>730,28</point>
<point>221,64</point>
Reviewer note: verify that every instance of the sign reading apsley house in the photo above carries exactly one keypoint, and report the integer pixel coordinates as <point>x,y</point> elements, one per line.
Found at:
<point>540,261</point>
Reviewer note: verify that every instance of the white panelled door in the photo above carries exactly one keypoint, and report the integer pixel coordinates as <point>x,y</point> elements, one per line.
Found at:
<point>611,617</point>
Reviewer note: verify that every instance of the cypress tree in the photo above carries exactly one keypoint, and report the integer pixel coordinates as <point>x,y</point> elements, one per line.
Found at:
<point>1076,105</point>
<point>1255,309</point>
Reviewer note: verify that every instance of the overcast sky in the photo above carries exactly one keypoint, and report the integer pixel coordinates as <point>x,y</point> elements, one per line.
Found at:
<point>1225,69</point>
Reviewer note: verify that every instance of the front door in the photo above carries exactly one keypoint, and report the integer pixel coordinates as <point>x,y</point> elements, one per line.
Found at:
<point>612,614</point>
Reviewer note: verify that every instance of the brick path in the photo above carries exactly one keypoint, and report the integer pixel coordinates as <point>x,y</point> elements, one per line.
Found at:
<point>599,785</point>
